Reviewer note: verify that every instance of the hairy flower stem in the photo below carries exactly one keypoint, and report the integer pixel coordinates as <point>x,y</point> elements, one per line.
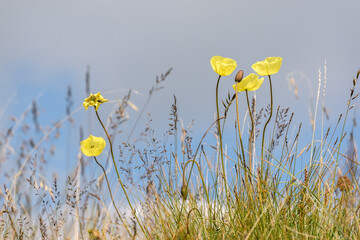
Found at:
<point>112,198</point>
<point>267,122</point>
<point>246,173</point>
<point>239,129</point>
<point>221,143</point>
<point>117,172</point>
<point>251,133</point>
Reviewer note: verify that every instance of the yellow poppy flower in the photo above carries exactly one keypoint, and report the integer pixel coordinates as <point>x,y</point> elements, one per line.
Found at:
<point>223,66</point>
<point>92,146</point>
<point>269,66</point>
<point>251,83</point>
<point>94,100</point>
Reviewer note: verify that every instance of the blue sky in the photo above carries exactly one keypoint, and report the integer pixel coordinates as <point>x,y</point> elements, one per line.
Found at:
<point>46,46</point>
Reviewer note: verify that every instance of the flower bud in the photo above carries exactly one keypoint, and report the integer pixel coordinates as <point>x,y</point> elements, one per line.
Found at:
<point>239,76</point>
<point>184,191</point>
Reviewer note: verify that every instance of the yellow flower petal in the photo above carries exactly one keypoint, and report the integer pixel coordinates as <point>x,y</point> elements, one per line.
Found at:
<point>94,100</point>
<point>92,146</point>
<point>269,66</point>
<point>223,66</point>
<point>251,83</point>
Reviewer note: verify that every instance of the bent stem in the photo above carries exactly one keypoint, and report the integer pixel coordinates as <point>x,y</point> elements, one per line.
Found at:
<point>204,186</point>
<point>201,176</point>
<point>112,198</point>
<point>267,122</point>
<point>199,145</point>
<point>117,172</point>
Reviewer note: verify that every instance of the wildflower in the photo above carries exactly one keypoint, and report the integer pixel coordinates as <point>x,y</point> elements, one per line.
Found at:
<point>223,66</point>
<point>92,146</point>
<point>250,83</point>
<point>269,66</point>
<point>94,100</point>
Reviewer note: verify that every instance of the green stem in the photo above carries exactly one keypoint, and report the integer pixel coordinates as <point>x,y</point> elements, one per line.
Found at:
<point>238,125</point>
<point>199,145</point>
<point>240,138</point>
<point>267,122</point>
<point>201,176</point>
<point>220,135</point>
<point>203,182</point>
<point>221,147</point>
<point>251,133</point>
<point>117,172</point>
<point>112,198</point>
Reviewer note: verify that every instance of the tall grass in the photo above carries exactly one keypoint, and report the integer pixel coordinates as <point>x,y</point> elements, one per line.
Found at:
<point>186,190</point>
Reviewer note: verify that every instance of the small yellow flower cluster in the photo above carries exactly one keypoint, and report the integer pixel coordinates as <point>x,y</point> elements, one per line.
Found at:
<point>93,146</point>
<point>225,66</point>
